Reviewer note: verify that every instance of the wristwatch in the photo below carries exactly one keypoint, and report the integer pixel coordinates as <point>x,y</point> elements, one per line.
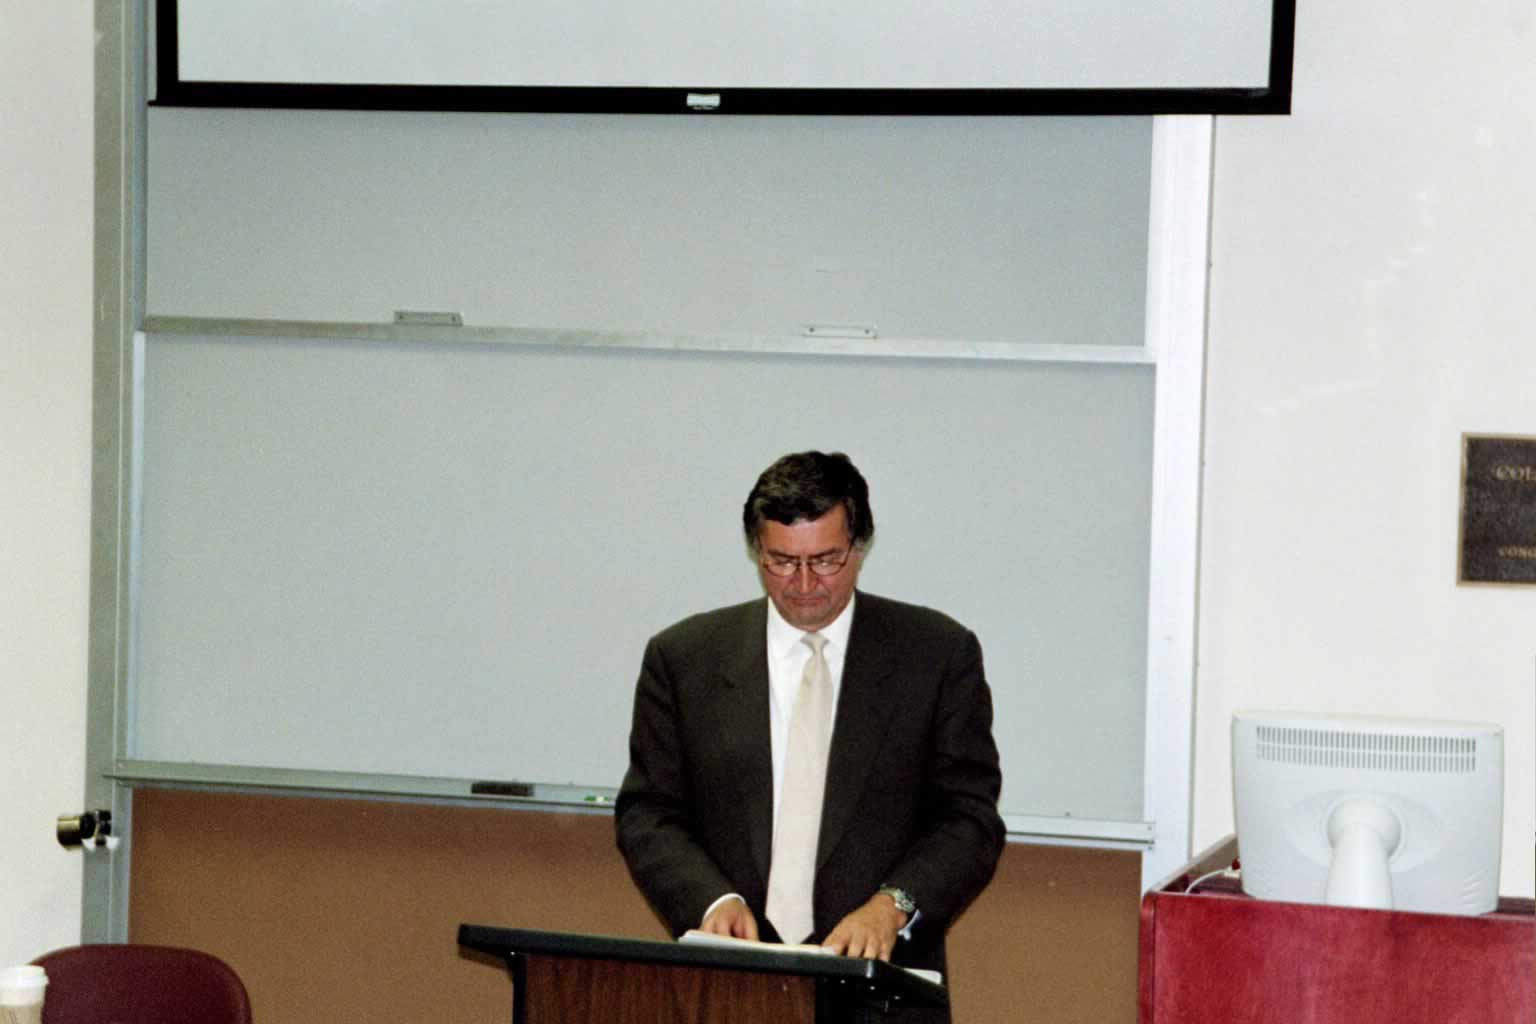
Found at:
<point>903,899</point>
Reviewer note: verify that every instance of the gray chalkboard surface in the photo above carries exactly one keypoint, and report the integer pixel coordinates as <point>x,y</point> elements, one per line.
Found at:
<point>444,559</point>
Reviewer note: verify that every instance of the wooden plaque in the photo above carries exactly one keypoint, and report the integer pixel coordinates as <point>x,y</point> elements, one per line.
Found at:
<point>1498,509</point>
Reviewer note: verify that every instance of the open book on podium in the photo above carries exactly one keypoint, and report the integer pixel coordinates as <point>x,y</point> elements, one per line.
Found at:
<point>560,976</point>
<point>693,935</point>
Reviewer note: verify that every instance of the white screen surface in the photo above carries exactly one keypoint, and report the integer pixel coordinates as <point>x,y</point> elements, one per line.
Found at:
<point>857,44</point>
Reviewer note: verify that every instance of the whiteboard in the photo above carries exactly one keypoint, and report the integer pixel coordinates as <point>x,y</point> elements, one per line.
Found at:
<point>963,229</point>
<point>444,559</point>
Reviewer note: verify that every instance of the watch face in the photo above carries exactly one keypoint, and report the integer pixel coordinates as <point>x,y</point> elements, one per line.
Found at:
<point>904,902</point>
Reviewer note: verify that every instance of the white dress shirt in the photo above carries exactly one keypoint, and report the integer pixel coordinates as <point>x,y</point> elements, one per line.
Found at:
<point>787,658</point>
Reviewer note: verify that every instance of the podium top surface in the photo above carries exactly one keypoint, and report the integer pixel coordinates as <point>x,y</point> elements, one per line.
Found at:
<point>879,976</point>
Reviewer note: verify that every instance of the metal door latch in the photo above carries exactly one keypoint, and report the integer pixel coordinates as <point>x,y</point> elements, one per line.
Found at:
<point>91,830</point>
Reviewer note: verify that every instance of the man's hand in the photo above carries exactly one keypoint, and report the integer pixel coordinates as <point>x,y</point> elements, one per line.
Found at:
<point>731,918</point>
<point>870,931</point>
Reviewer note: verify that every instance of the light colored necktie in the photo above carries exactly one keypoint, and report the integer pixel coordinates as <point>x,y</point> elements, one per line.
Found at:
<point>792,875</point>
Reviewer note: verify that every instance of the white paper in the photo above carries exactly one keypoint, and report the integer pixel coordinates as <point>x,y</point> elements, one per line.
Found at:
<point>709,939</point>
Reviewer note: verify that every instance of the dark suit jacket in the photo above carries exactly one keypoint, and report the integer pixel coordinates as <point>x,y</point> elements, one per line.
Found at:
<point>912,778</point>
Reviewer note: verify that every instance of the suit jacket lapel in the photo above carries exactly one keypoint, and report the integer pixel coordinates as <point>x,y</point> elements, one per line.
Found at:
<point>745,670</point>
<point>864,706</point>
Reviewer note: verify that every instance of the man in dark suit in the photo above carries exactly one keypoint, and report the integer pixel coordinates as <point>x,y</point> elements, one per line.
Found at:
<point>737,818</point>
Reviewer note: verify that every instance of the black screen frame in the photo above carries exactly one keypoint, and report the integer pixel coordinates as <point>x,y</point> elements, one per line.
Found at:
<point>1273,98</point>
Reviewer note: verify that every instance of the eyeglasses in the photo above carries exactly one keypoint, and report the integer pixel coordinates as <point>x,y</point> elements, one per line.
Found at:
<point>822,565</point>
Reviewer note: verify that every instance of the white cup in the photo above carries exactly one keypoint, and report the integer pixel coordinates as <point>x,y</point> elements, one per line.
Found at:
<point>21,994</point>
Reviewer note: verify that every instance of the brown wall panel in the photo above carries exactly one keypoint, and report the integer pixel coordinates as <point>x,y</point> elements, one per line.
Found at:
<point>345,909</point>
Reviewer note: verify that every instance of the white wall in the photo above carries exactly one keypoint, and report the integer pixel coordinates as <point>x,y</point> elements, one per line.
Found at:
<point>1371,299</point>
<point>45,459</point>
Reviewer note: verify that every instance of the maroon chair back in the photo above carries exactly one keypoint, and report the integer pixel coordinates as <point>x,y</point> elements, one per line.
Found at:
<point>136,984</point>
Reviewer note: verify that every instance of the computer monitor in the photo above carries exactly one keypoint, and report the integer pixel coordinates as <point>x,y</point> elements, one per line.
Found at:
<point>1393,814</point>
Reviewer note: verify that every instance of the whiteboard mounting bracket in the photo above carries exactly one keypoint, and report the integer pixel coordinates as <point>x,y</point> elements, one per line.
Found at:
<point>418,318</point>
<point>839,331</point>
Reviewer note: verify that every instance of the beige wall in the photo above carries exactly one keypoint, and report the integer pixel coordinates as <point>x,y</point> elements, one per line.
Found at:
<point>45,397</point>
<point>1371,299</point>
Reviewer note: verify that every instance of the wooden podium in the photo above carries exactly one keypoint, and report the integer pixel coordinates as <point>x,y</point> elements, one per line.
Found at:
<point>559,978</point>
<point>1217,955</point>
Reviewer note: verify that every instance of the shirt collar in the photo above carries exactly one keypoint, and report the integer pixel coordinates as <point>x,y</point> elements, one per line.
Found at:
<point>782,637</point>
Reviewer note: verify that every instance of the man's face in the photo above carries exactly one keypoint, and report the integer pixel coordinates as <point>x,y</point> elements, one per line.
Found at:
<point>806,600</point>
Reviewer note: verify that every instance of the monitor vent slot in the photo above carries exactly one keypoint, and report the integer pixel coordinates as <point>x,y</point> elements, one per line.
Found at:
<point>1370,751</point>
